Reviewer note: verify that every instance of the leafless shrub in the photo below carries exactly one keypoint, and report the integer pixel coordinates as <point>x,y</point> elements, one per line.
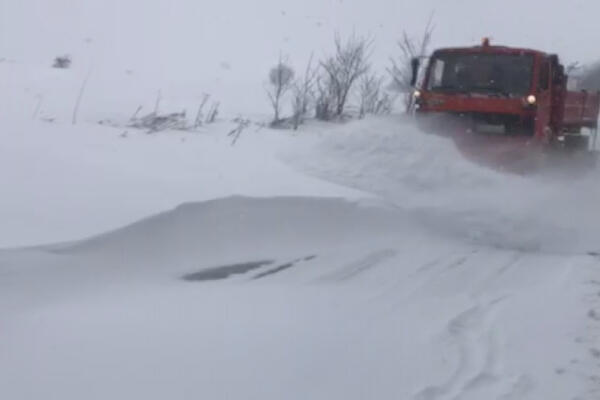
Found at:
<point>235,133</point>
<point>370,91</point>
<point>135,114</point>
<point>38,106</point>
<point>62,62</point>
<point>213,112</point>
<point>385,104</point>
<point>343,69</point>
<point>324,102</point>
<point>157,121</point>
<point>199,114</point>
<point>154,122</point>
<point>281,78</point>
<point>401,68</point>
<point>303,94</point>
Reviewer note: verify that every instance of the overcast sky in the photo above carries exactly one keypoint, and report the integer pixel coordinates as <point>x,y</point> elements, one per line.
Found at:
<point>184,36</point>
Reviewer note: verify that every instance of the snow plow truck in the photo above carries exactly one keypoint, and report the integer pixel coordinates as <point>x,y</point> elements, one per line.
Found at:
<point>500,103</point>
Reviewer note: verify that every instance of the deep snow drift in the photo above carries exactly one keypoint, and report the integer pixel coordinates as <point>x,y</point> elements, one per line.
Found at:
<point>67,182</point>
<point>427,174</point>
<point>426,289</point>
<point>372,305</point>
<point>362,260</point>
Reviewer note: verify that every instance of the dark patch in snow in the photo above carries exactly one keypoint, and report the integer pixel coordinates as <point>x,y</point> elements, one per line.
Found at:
<point>283,267</point>
<point>224,272</point>
<point>275,270</point>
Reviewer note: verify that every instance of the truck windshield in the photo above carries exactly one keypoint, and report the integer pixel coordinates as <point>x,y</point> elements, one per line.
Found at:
<point>495,74</point>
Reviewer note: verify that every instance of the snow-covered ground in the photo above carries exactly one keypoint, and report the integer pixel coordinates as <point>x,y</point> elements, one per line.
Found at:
<point>415,274</point>
<point>363,260</point>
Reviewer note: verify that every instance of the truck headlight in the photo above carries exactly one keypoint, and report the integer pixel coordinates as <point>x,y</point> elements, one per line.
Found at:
<point>531,100</point>
<point>417,94</point>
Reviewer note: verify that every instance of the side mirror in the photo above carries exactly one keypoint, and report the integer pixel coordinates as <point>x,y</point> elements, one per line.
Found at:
<point>415,63</point>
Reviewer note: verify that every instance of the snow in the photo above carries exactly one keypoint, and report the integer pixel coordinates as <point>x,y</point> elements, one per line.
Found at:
<point>393,287</point>
<point>356,260</point>
<point>387,308</point>
<point>67,182</point>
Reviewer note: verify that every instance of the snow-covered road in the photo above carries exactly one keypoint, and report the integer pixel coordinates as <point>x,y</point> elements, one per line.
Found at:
<point>350,306</point>
<point>428,278</point>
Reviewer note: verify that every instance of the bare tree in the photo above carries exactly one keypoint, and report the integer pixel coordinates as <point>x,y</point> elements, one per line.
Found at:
<point>345,67</point>
<point>297,107</point>
<point>374,99</point>
<point>324,100</point>
<point>385,104</point>
<point>281,78</point>
<point>591,78</point>
<point>370,93</point>
<point>304,93</point>
<point>573,67</point>
<point>401,68</point>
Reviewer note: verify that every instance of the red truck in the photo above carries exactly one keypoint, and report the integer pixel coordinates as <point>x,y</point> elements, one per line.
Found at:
<point>522,93</point>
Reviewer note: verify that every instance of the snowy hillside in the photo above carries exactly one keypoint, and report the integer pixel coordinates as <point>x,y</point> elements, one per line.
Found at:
<point>354,260</point>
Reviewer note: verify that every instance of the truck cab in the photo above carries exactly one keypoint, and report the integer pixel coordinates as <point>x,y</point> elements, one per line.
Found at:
<point>523,91</point>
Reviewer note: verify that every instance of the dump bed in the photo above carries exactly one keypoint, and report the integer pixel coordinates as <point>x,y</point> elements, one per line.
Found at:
<point>581,109</point>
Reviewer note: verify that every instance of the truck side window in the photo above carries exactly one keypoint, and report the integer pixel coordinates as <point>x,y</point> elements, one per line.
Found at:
<point>544,75</point>
<point>436,79</point>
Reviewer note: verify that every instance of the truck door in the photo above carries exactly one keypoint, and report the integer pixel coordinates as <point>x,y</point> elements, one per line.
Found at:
<point>544,102</point>
<point>559,89</point>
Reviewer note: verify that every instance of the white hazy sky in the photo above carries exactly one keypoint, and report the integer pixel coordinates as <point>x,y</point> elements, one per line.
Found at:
<point>570,27</point>
<point>236,41</point>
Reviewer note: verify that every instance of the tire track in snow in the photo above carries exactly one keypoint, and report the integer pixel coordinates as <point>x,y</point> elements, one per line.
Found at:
<point>593,334</point>
<point>405,286</point>
<point>283,267</point>
<point>351,270</point>
<point>478,373</point>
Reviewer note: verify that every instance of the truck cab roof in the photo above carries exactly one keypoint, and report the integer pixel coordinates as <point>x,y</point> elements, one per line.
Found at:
<point>487,48</point>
